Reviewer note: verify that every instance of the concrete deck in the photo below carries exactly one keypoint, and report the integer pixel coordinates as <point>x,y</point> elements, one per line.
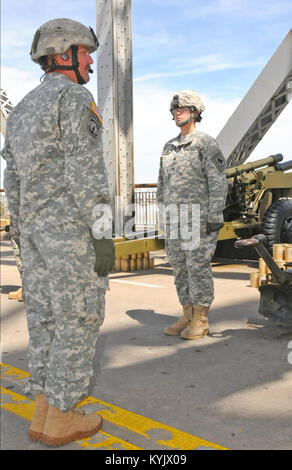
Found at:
<point>232,388</point>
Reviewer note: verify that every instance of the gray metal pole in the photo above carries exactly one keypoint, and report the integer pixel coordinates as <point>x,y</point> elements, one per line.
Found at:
<point>115,97</point>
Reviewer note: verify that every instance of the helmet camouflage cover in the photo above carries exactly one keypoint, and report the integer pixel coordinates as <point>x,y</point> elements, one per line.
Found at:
<point>58,35</point>
<point>187,98</point>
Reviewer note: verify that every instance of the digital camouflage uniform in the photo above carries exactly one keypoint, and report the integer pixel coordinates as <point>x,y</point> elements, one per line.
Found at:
<point>55,175</point>
<point>15,242</point>
<point>192,172</point>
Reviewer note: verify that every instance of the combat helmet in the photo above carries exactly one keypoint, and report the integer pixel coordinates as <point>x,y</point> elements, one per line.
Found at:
<point>56,37</point>
<point>190,99</point>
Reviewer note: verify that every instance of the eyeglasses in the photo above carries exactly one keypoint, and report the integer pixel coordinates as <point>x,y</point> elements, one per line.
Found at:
<point>181,109</point>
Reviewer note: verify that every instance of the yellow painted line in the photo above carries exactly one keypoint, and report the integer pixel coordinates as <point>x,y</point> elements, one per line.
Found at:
<point>109,443</point>
<point>141,425</point>
<point>16,404</point>
<point>12,374</point>
<point>23,407</point>
<point>137,424</point>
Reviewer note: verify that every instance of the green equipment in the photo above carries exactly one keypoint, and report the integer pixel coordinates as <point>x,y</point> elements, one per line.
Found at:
<point>259,200</point>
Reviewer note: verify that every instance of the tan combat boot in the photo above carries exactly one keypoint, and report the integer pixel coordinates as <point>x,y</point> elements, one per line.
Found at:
<point>182,322</point>
<point>16,295</point>
<point>64,427</point>
<point>199,326</point>
<point>39,417</point>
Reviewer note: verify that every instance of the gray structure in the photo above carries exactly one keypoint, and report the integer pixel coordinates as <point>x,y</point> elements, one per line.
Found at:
<point>115,97</point>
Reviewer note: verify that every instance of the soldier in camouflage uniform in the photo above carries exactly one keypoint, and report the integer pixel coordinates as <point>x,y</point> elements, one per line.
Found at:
<point>55,176</point>
<point>192,175</point>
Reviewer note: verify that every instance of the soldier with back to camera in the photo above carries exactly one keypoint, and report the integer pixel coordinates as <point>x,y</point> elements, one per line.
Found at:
<point>54,178</point>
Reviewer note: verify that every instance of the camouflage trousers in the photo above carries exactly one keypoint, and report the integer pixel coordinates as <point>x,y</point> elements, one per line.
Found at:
<point>65,303</point>
<point>192,269</point>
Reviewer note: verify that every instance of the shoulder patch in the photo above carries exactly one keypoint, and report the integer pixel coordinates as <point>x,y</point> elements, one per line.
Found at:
<point>93,126</point>
<point>95,110</point>
<point>219,161</point>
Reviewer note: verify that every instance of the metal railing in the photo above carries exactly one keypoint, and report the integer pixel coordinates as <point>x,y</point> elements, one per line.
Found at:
<point>145,206</point>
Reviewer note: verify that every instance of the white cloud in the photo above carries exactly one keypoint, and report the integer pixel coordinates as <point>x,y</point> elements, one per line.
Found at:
<point>260,10</point>
<point>154,39</point>
<point>153,127</point>
<point>17,83</point>
<point>198,65</point>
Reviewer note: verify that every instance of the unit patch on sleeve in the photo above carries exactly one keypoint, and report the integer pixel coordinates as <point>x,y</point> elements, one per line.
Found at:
<point>93,126</point>
<point>219,161</point>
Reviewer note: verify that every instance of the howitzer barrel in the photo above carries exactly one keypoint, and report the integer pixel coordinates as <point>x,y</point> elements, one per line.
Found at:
<point>238,170</point>
<point>284,166</point>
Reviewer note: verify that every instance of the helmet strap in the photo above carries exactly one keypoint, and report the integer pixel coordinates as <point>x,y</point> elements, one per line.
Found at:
<point>75,64</point>
<point>191,118</point>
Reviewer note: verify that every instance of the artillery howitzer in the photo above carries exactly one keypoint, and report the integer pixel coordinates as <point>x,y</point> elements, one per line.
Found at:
<point>276,291</point>
<point>259,199</point>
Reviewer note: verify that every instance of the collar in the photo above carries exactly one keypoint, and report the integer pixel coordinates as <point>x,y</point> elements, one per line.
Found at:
<point>57,76</point>
<point>184,140</point>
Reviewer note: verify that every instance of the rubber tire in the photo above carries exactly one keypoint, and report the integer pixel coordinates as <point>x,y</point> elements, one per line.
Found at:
<point>277,223</point>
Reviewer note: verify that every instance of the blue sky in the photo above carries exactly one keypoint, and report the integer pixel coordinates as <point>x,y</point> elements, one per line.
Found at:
<point>216,47</point>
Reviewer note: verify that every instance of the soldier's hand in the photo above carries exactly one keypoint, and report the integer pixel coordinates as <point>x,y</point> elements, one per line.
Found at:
<point>104,256</point>
<point>213,227</point>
